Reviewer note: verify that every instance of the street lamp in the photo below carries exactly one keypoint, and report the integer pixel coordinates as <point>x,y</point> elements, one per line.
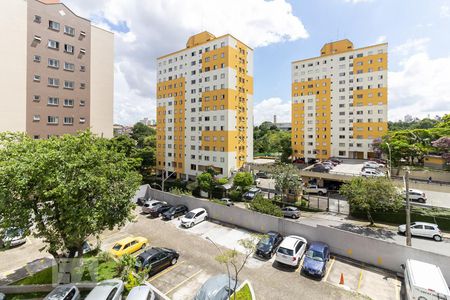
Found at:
<point>228,268</point>
<point>155,184</point>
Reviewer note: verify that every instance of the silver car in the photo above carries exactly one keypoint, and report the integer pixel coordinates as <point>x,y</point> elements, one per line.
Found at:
<point>64,292</point>
<point>142,292</point>
<point>149,204</point>
<point>13,237</point>
<point>291,212</point>
<point>111,289</point>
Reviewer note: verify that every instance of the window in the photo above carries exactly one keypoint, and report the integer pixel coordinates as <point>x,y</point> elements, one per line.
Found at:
<point>37,19</point>
<point>68,48</point>
<point>36,118</point>
<point>82,51</point>
<point>69,30</point>
<point>82,86</point>
<point>53,63</point>
<point>53,25</point>
<point>82,68</point>
<point>52,120</point>
<point>69,66</point>
<point>36,58</point>
<point>69,102</point>
<point>53,44</point>
<point>53,101</point>
<point>68,120</point>
<point>36,98</point>
<point>69,84</point>
<point>82,103</point>
<point>53,82</point>
<point>82,120</point>
<point>37,78</point>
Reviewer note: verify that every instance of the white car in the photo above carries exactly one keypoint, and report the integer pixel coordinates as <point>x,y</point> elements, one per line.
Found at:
<point>111,289</point>
<point>423,229</point>
<point>64,292</point>
<point>371,173</point>
<point>291,250</point>
<point>149,204</point>
<point>142,292</point>
<point>372,164</point>
<point>415,195</point>
<point>193,217</point>
<point>314,189</point>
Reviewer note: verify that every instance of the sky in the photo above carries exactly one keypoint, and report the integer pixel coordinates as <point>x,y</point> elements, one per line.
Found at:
<point>279,31</point>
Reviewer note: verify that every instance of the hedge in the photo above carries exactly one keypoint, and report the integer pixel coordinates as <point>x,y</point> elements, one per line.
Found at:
<point>441,217</point>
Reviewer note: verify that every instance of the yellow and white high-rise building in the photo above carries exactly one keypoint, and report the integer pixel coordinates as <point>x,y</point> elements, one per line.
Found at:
<point>339,101</point>
<point>205,107</point>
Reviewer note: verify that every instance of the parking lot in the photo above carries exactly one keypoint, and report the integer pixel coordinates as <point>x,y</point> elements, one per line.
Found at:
<point>270,280</point>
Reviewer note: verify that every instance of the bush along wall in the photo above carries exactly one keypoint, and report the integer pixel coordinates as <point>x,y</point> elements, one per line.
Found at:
<point>441,217</point>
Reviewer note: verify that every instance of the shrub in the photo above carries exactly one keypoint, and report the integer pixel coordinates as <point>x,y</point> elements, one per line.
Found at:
<point>179,191</point>
<point>235,196</point>
<point>222,181</point>
<point>265,206</point>
<point>104,256</point>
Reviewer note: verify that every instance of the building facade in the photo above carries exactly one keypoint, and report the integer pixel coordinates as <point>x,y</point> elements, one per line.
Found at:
<point>339,101</point>
<point>205,107</point>
<point>59,72</point>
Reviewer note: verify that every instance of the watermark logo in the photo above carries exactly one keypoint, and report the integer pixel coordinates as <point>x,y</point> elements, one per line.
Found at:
<point>74,270</point>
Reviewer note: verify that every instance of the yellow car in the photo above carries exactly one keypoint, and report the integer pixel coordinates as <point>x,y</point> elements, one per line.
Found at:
<point>128,245</point>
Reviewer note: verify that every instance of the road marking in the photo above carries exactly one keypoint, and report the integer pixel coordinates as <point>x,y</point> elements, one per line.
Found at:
<point>360,279</point>
<point>300,264</point>
<point>397,292</point>
<point>183,282</point>
<point>166,271</point>
<point>329,269</point>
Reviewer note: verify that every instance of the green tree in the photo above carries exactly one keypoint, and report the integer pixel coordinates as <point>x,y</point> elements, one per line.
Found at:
<point>140,131</point>
<point>286,148</point>
<point>243,180</point>
<point>371,194</point>
<point>265,206</point>
<point>286,179</point>
<point>206,183</point>
<point>68,188</point>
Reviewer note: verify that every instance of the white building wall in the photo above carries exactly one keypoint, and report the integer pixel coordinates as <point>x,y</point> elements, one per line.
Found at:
<point>13,85</point>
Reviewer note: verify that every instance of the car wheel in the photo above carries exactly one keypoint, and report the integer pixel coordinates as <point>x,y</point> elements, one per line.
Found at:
<point>171,217</point>
<point>191,225</point>
<point>320,193</point>
<point>437,238</point>
<point>173,261</point>
<point>143,246</point>
<point>421,200</point>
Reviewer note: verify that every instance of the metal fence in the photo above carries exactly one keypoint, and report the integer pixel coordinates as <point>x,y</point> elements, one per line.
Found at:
<point>329,203</point>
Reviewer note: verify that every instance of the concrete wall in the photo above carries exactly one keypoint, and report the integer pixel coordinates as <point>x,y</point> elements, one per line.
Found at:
<point>380,253</point>
<point>13,30</point>
<point>102,82</point>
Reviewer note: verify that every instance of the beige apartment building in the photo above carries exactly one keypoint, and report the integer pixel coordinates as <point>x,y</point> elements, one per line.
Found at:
<point>57,71</point>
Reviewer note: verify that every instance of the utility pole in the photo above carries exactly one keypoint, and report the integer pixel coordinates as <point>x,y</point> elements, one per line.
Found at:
<point>162,181</point>
<point>408,210</point>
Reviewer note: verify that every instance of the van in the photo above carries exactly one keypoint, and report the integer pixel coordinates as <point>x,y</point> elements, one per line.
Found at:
<point>424,281</point>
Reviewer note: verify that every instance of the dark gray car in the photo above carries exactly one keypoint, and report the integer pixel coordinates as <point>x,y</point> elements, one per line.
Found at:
<point>291,212</point>
<point>216,288</point>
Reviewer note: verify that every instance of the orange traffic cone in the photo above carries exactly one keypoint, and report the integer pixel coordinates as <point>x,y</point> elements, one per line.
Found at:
<point>342,279</point>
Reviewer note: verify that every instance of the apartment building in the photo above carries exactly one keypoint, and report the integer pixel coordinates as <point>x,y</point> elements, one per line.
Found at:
<point>339,101</point>
<point>57,71</point>
<point>205,107</point>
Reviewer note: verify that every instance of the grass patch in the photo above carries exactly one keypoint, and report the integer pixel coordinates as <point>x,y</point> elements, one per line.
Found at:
<point>243,294</point>
<point>37,295</point>
<point>41,277</point>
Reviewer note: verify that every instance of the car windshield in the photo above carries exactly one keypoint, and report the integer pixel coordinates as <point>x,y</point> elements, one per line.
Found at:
<point>316,255</point>
<point>265,241</point>
<point>286,251</point>
<point>250,194</point>
<point>171,210</point>
<point>13,232</point>
<point>190,215</point>
<point>117,247</point>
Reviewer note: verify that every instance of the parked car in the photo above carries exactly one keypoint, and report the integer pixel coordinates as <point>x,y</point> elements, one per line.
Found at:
<point>415,195</point>
<point>174,212</point>
<point>423,229</point>
<point>316,259</point>
<point>291,212</point>
<point>217,288</point>
<point>64,292</point>
<point>299,160</point>
<point>320,168</point>
<point>149,204</point>
<point>336,160</point>
<point>314,189</point>
<point>157,259</point>
<point>13,236</point>
<point>251,193</point>
<point>371,173</point>
<point>110,289</point>
<point>372,164</point>
<point>424,281</point>
<point>193,217</point>
<point>291,250</point>
<point>141,200</point>
<point>226,201</point>
<point>329,164</point>
<point>142,292</point>
<point>159,209</point>
<point>262,175</point>
<point>268,245</point>
<point>128,245</point>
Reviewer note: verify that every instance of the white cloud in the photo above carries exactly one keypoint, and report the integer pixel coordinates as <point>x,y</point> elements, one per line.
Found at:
<point>381,39</point>
<point>445,11</point>
<point>159,27</point>
<point>420,88</point>
<point>412,46</point>
<point>265,109</point>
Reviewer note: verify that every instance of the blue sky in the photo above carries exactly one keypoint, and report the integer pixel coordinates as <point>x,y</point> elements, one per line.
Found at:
<point>281,31</point>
